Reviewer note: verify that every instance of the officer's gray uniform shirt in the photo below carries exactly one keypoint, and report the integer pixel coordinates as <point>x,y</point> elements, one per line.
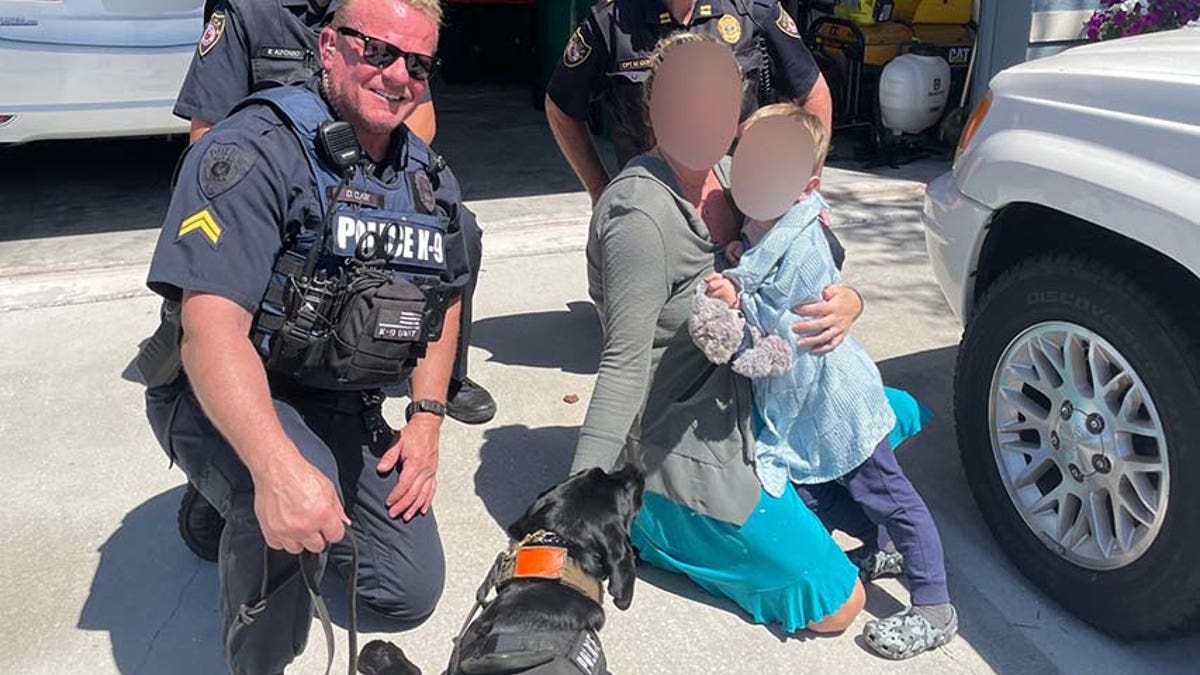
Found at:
<point>241,189</point>
<point>608,57</point>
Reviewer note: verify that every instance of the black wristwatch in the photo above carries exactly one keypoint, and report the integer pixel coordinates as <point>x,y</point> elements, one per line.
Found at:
<point>424,406</point>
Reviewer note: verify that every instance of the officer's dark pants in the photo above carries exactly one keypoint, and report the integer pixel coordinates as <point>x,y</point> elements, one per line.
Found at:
<point>879,490</point>
<point>473,239</point>
<point>401,565</point>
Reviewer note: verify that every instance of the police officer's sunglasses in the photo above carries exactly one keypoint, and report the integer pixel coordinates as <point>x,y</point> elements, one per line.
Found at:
<point>383,54</point>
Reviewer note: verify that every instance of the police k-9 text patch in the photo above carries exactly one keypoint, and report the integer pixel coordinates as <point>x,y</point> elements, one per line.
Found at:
<point>401,241</point>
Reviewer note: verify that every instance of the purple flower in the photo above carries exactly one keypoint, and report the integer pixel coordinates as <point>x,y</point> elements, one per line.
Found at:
<point>1119,18</point>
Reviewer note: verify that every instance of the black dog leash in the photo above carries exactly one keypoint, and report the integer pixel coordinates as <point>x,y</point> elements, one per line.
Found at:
<point>307,564</point>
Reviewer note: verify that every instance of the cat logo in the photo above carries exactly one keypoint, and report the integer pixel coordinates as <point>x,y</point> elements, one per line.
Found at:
<point>730,29</point>
<point>958,56</point>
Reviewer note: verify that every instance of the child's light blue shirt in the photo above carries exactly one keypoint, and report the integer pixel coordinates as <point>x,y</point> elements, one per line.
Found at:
<point>825,416</point>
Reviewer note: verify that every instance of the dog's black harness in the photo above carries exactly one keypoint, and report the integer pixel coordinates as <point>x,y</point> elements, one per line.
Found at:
<point>573,652</point>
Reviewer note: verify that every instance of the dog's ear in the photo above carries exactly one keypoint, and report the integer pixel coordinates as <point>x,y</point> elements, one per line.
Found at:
<point>623,565</point>
<point>622,560</point>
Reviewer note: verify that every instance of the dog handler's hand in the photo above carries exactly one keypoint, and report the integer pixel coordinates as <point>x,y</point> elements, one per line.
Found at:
<point>297,506</point>
<point>833,317</point>
<point>416,451</point>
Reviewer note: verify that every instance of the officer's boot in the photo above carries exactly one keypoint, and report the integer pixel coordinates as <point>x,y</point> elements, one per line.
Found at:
<point>470,403</point>
<point>200,524</point>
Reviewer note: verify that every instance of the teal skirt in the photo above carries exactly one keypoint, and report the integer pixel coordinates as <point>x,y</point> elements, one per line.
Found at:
<point>781,565</point>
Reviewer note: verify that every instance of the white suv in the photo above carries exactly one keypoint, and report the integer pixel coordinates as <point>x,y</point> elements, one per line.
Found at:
<point>1067,240</point>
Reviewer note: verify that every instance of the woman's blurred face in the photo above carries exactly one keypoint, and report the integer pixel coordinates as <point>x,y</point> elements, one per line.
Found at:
<point>771,167</point>
<point>695,103</point>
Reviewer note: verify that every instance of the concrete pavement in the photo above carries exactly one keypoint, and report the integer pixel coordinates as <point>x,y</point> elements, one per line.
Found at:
<point>98,582</point>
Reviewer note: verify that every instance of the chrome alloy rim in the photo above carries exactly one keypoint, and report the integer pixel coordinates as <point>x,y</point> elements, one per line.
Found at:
<point>1079,445</point>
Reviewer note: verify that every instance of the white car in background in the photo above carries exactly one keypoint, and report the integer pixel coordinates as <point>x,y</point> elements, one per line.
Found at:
<point>93,68</point>
<point>1067,240</point>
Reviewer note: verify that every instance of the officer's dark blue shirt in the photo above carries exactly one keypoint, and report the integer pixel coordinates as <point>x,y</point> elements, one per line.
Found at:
<point>608,57</point>
<point>249,45</point>
<point>243,188</point>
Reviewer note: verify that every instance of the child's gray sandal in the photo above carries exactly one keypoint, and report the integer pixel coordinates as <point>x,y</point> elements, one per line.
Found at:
<point>907,634</point>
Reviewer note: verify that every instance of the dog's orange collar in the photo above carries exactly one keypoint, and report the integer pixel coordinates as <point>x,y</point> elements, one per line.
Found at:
<point>538,561</point>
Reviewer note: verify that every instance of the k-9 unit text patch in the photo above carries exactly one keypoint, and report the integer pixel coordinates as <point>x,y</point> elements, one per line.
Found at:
<point>398,326</point>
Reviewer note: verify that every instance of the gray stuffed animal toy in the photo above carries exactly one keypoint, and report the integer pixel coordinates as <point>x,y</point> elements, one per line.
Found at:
<point>722,334</point>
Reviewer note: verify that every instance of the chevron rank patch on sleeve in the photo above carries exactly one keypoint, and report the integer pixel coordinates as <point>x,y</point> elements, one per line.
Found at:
<point>204,223</point>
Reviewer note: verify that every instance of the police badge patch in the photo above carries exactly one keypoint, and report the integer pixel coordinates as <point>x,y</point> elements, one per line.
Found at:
<point>787,24</point>
<point>212,32</point>
<point>423,191</point>
<point>223,166</point>
<point>577,51</point>
<point>730,29</point>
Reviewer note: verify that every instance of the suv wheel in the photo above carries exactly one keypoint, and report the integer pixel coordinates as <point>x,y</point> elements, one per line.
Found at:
<point>1077,403</point>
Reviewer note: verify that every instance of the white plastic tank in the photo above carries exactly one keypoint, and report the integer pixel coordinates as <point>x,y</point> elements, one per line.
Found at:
<point>912,92</point>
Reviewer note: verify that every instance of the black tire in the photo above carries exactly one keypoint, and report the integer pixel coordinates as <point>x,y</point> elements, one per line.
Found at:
<point>1158,594</point>
<point>200,525</point>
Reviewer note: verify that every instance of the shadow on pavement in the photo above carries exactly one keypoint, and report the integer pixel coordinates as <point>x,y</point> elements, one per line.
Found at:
<point>565,340</point>
<point>518,463</point>
<point>156,600</point>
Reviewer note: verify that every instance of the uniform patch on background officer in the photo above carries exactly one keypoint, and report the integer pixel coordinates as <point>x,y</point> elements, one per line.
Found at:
<point>222,166</point>
<point>787,24</point>
<point>577,51</point>
<point>204,223</point>
<point>423,191</point>
<point>730,29</point>
<point>212,32</point>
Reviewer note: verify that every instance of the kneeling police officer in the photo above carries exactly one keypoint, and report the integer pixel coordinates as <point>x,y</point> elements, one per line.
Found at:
<point>314,253</point>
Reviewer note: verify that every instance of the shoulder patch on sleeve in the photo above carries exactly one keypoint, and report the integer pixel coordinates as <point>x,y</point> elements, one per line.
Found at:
<point>577,51</point>
<point>213,31</point>
<point>786,23</point>
<point>204,223</point>
<point>223,166</point>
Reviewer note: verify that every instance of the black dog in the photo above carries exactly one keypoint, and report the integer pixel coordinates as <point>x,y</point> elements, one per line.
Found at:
<point>539,625</point>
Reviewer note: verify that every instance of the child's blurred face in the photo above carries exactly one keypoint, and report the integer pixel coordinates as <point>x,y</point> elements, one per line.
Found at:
<point>772,167</point>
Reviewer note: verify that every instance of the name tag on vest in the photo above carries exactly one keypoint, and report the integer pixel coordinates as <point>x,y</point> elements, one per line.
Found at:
<point>285,53</point>
<point>404,242</point>
<point>356,196</point>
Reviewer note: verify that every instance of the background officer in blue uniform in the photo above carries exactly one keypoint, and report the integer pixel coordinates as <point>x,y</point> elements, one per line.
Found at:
<point>608,57</point>
<point>293,467</point>
<point>248,45</point>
